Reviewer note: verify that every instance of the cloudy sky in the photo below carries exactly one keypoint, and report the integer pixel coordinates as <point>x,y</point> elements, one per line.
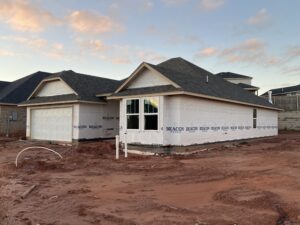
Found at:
<point>110,38</point>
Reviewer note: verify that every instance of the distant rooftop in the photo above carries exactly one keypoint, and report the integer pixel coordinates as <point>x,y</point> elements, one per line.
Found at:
<point>247,86</point>
<point>227,75</point>
<point>284,90</point>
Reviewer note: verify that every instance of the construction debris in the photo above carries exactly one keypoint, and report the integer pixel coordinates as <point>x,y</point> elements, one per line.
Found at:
<point>26,193</point>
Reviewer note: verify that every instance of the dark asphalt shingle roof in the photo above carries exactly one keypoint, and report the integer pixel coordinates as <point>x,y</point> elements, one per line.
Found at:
<point>19,90</point>
<point>192,78</point>
<point>86,87</point>
<point>284,90</point>
<point>232,75</point>
<point>3,84</point>
<point>245,86</point>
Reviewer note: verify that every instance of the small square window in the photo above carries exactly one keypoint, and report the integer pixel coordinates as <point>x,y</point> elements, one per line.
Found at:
<point>132,106</point>
<point>132,121</point>
<point>151,105</point>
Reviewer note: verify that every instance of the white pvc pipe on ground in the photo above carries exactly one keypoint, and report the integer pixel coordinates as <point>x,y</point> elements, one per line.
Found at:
<point>25,149</point>
<point>117,147</point>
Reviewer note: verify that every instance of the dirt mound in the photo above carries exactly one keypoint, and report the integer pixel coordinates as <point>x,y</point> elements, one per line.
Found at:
<point>38,165</point>
<point>199,176</point>
<point>96,148</point>
<point>248,197</point>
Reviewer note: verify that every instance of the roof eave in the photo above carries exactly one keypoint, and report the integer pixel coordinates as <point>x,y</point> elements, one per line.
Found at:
<point>231,101</point>
<point>143,95</point>
<point>251,89</point>
<point>59,103</point>
<point>195,95</point>
<point>8,104</point>
<point>103,95</point>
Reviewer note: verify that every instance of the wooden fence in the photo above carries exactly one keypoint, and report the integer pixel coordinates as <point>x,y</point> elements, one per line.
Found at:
<point>287,103</point>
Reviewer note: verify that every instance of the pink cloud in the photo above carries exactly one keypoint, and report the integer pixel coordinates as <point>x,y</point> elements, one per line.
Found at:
<point>92,23</point>
<point>248,51</point>
<point>207,52</point>
<point>4,52</point>
<point>37,45</point>
<point>117,54</point>
<point>23,16</point>
<point>251,51</point>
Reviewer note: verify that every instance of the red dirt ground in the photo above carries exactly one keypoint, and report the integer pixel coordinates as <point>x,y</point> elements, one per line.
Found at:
<point>255,182</point>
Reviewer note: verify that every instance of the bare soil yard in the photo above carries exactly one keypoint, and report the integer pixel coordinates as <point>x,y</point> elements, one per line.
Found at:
<point>253,182</point>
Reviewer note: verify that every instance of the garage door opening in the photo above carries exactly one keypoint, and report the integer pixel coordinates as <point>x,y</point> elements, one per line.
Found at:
<point>53,124</point>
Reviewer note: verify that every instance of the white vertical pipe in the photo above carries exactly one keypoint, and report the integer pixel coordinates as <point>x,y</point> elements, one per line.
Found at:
<point>126,147</point>
<point>117,147</point>
<point>270,97</point>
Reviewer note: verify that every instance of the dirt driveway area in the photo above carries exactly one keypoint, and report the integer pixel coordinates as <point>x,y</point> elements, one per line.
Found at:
<point>253,182</point>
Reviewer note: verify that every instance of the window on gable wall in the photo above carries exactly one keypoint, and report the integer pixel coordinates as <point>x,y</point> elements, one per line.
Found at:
<point>133,114</point>
<point>254,118</point>
<point>151,113</point>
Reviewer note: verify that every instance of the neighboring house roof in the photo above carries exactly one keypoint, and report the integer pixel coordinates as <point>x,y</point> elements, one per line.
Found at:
<point>284,90</point>
<point>247,86</point>
<point>19,90</point>
<point>228,75</point>
<point>85,86</point>
<point>3,84</point>
<point>192,79</point>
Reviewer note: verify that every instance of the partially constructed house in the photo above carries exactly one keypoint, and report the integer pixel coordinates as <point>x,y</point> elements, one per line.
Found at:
<point>177,103</point>
<point>69,106</point>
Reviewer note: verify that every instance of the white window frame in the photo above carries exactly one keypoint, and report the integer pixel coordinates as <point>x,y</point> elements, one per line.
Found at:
<point>133,114</point>
<point>254,118</point>
<point>149,114</point>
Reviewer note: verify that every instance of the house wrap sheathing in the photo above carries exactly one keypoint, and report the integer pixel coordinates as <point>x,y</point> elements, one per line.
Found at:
<point>177,103</point>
